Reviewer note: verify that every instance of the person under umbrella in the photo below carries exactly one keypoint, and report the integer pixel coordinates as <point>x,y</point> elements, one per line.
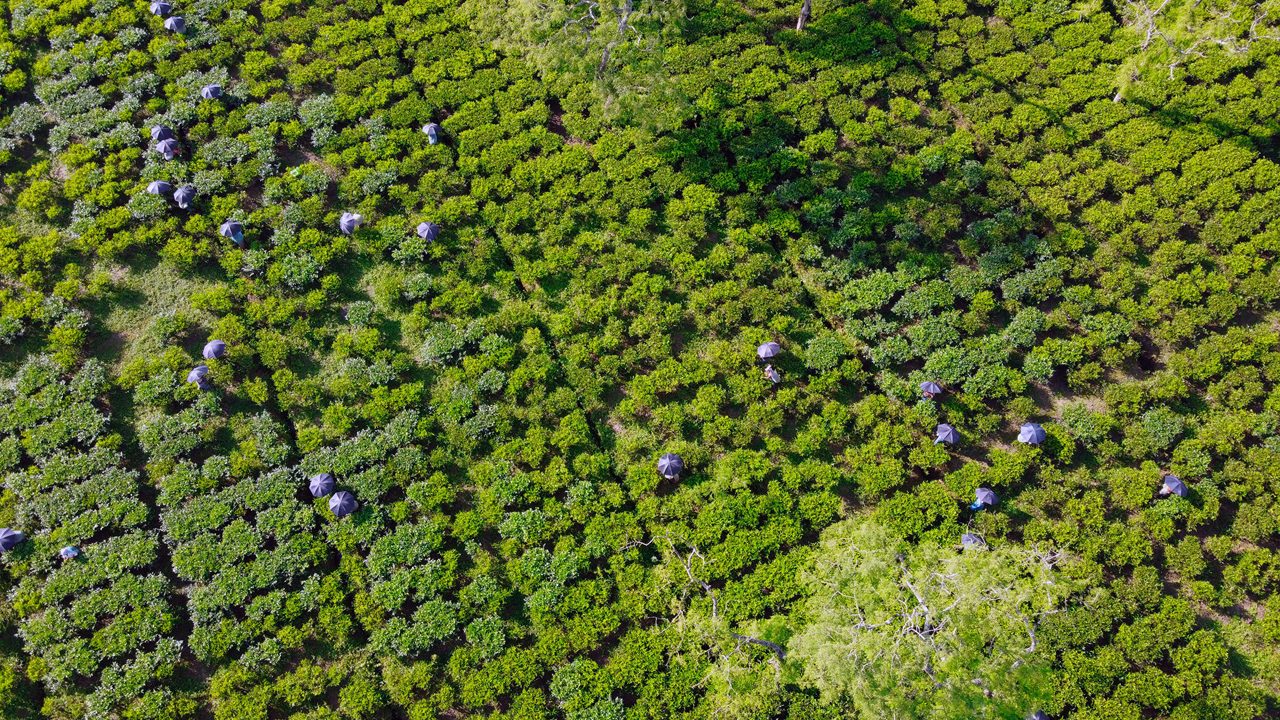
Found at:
<point>160,132</point>
<point>212,91</point>
<point>946,435</point>
<point>1038,715</point>
<point>169,148</point>
<point>432,131</point>
<point>930,389</point>
<point>199,376</point>
<point>769,350</point>
<point>176,24</point>
<point>772,373</point>
<point>159,187</point>
<point>233,230</point>
<point>321,485</point>
<point>983,498</point>
<point>1173,485</point>
<point>343,503</point>
<point>969,540</point>
<point>9,539</point>
<point>1031,434</point>
<point>160,8</point>
<point>70,552</point>
<point>214,349</point>
<point>428,231</point>
<point>184,195</point>
<point>670,465</point>
<point>349,222</point>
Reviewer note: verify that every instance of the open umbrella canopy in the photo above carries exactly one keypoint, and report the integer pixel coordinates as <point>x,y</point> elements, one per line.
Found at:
<point>321,484</point>
<point>1038,715</point>
<point>159,187</point>
<point>930,388</point>
<point>9,539</point>
<point>168,148</point>
<point>214,349</point>
<point>1173,485</point>
<point>428,231</point>
<point>212,91</point>
<point>1031,434</point>
<point>432,131</point>
<point>184,195</point>
<point>670,465</point>
<point>233,229</point>
<point>70,552</point>
<point>199,375</point>
<point>343,503</point>
<point>772,373</point>
<point>176,24</point>
<point>984,497</point>
<point>769,350</point>
<point>970,540</point>
<point>349,222</point>
<point>946,434</point>
<point>160,132</point>
<point>161,8</point>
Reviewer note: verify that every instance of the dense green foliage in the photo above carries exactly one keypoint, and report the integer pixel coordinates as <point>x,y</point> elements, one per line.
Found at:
<point>905,191</point>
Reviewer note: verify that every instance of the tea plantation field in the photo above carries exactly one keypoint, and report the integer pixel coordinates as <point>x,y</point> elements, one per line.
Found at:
<point>639,359</point>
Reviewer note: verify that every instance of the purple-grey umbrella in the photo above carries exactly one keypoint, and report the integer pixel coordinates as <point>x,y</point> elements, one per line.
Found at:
<point>159,187</point>
<point>343,503</point>
<point>1173,485</point>
<point>214,349</point>
<point>176,24</point>
<point>349,222</point>
<point>160,132</point>
<point>9,539</point>
<point>946,434</point>
<point>428,231</point>
<point>212,91</point>
<point>433,132</point>
<point>321,485</point>
<point>970,540</point>
<point>1031,434</point>
<point>70,552</point>
<point>234,230</point>
<point>199,376</point>
<point>930,388</point>
<point>168,148</point>
<point>184,195</point>
<point>983,497</point>
<point>1038,715</point>
<point>769,350</point>
<point>161,8</point>
<point>670,465</point>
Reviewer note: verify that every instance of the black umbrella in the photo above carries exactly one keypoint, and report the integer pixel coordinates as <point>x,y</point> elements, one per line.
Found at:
<point>199,376</point>
<point>428,231</point>
<point>670,465</point>
<point>343,503</point>
<point>168,148</point>
<point>321,485</point>
<point>946,434</point>
<point>184,195</point>
<point>9,539</point>
<point>349,222</point>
